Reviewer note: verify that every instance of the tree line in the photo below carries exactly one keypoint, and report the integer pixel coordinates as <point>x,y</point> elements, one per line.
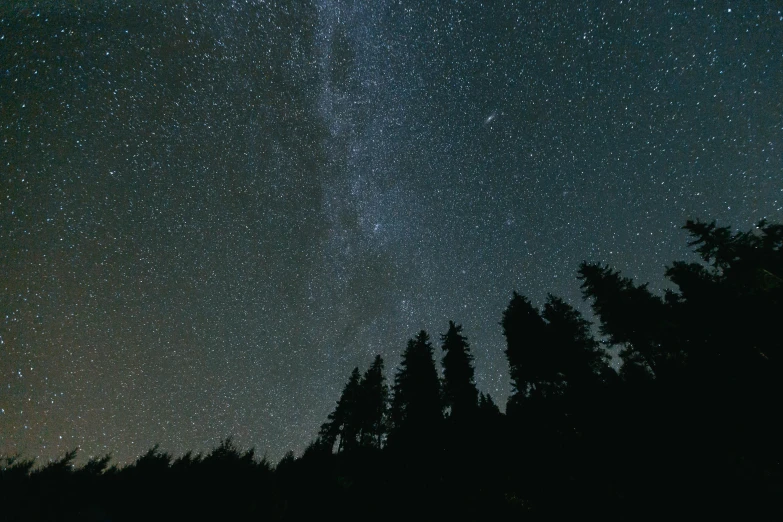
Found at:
<point>688,428</point>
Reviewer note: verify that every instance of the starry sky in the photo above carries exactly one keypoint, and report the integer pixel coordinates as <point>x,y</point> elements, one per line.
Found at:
<point>210,212</point>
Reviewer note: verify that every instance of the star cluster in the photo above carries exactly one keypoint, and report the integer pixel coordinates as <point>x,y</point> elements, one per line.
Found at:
<point>211,211</point>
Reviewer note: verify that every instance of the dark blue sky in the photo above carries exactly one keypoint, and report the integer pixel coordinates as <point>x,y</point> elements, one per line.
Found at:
<point>211,212</point>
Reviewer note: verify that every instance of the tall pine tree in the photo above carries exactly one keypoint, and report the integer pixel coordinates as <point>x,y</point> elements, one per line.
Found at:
<point>459,387</point>
<point>633,317</point>
<point>530,359</point>
<point>373,405</point>
<point>580,361</point>
<point>343,422</point>
<point>416,412</point>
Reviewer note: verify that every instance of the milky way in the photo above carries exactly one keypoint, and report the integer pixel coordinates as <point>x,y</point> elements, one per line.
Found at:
<point>211,212</point>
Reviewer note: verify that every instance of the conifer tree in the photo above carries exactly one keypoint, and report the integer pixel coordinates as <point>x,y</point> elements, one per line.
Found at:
<point>742,283</point>
<point>633,317</point>
<point>459,387</point>
<point>416,411</point>
<point>580,361</point>
<point>343,421</point>
<point>531,362</point>
<point>373,405</point>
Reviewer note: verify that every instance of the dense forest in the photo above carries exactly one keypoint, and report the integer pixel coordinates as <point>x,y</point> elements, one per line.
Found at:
<point>688,428</point>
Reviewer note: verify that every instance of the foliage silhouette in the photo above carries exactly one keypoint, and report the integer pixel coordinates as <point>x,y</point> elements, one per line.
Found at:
<point>373,405</point>
<point>689,428</point>
<point>459,386</point>
<point>580,360</point>
<point>632,317</point>
<point>343,423</point>
<point>530,363</point>
<point>416,409</point>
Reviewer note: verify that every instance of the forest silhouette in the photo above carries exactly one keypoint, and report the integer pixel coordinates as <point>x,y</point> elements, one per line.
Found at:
<point>688,428</point>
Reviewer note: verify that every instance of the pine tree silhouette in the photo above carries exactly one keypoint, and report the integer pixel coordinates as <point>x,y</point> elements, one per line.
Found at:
<point>580,361</point>
<point>416,411</point>
<point>373,405</point>
<point>633,317</point>
<point>741,282</point>
<point>459,386</point>
<point>530,357</point>
<point>343,422</point>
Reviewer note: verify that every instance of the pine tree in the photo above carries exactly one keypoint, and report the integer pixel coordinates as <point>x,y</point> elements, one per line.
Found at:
<point>343,421</point>
<point>633,317</point>
<point>580,361</point>
<point>373,405</point>
<point>531,363</point>
<point>742,283</point>
<point>459,387</point>
<point>416,411</point>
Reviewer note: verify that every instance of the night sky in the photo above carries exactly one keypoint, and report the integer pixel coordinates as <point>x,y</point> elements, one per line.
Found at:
<point>211,212</point>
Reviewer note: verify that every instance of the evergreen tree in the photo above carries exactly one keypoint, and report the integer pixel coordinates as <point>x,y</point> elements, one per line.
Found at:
<point>531,362</point>
<point>742,283</point>
<point>753,259</point>
<point>373,405</point>
<point>487,407</point>
<point>580,361</point>
<point>459,387</point>
<point>633,317</point>
<point>416,411</point>
<point>343,421</point>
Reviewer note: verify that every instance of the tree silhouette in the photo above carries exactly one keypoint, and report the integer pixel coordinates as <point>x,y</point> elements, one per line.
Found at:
<point>459,387</point>
<point>579,359</point>
<point>692,427</point>
<point>741,283</point>
<point>373,405</point>
<point>416,411</point>
<point>95,466</point>
<point>633,317</point>
<point>757,253</point>
<point>15,468</point>
<point>530,359</point>
<point>343,421</point>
